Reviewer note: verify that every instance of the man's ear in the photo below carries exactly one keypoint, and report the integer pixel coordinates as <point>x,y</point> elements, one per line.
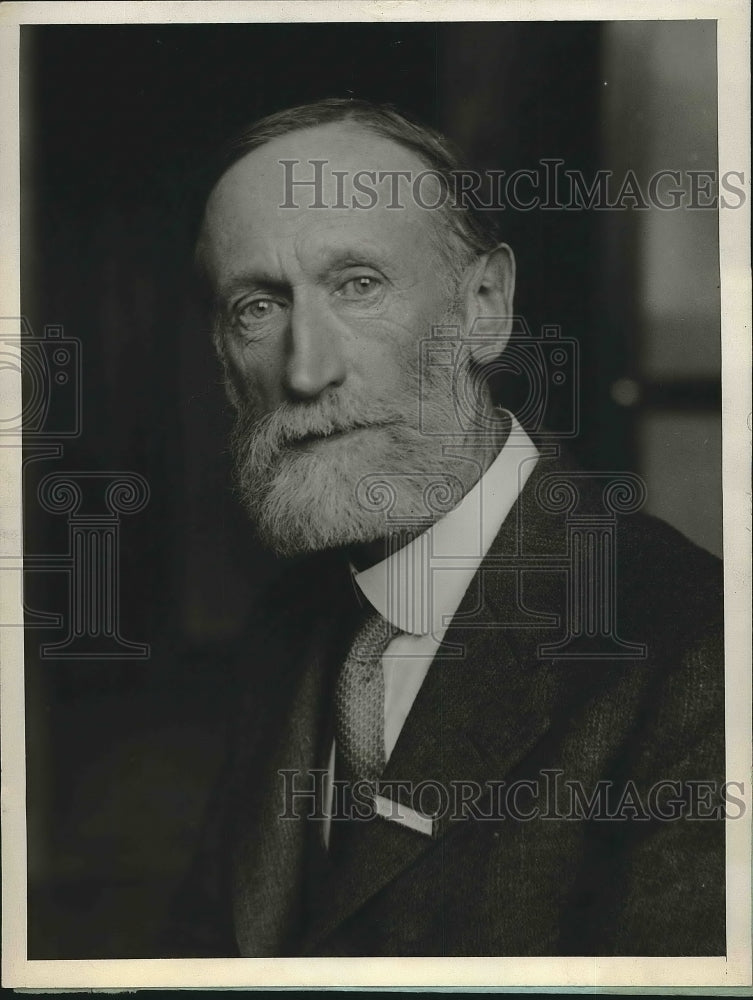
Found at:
<point>488,303</point>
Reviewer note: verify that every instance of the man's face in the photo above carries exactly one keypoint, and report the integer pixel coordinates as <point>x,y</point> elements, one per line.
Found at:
<point>321,313</point>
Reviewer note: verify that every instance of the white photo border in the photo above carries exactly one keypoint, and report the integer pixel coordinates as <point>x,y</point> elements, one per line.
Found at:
<point>633,974</point>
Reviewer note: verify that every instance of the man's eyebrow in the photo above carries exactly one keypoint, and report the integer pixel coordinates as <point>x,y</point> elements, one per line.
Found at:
<point>245,280</point>
<point>328,260</point>
<point>338,258</point>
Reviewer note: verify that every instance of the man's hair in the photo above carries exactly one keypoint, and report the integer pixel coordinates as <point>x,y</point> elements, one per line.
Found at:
<point>468,232</point>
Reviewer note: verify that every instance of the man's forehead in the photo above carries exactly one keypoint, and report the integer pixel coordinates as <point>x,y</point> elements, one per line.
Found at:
<point>270,176</point>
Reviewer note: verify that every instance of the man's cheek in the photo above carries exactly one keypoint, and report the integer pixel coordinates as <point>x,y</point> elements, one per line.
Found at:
<point>254,385</point>
<point>398,322</point>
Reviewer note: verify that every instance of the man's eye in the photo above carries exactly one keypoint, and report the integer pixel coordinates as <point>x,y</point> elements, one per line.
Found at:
<point>361,287</point>
<point>258,309</point>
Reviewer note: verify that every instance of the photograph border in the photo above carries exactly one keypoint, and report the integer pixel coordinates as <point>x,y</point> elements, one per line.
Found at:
<point>733,33</point>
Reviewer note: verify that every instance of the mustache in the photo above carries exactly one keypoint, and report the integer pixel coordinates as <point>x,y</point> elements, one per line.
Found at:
<point>260,440</point>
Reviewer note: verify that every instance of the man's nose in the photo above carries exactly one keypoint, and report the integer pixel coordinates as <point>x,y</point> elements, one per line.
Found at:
<point>315,360</point>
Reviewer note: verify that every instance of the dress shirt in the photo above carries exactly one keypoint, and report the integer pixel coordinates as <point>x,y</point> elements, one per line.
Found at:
<point>419,588</point>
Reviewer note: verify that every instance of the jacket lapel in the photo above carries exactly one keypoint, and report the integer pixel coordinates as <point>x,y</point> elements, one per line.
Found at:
<point>486,702</point>
<point>269,849</point>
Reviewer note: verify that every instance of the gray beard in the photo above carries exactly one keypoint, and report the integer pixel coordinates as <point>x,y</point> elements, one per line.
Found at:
<point>305,498</point>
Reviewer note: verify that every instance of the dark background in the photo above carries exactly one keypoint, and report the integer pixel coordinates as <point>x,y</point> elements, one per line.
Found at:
<point>121,753</point>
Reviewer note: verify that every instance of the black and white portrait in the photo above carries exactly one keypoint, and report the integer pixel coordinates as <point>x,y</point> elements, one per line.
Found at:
<point>371,453</point>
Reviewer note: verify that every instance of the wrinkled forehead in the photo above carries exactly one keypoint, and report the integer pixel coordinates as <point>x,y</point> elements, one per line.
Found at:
<point>337,175</point>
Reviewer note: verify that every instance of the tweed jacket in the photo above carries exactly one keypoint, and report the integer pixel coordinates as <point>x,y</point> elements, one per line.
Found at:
<point>579,686</point>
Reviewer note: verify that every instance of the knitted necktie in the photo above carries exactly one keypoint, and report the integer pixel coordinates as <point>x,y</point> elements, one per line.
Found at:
<point>359,701</point>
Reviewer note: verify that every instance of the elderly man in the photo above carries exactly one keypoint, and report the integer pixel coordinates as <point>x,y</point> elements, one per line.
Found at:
<point>483,706</point>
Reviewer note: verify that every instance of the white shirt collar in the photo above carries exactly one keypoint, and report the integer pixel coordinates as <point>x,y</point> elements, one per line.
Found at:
<point>419,588</point>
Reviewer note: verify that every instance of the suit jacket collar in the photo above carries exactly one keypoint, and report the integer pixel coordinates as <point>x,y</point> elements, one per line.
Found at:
<point>487,700</point>
<point>294,686</point>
